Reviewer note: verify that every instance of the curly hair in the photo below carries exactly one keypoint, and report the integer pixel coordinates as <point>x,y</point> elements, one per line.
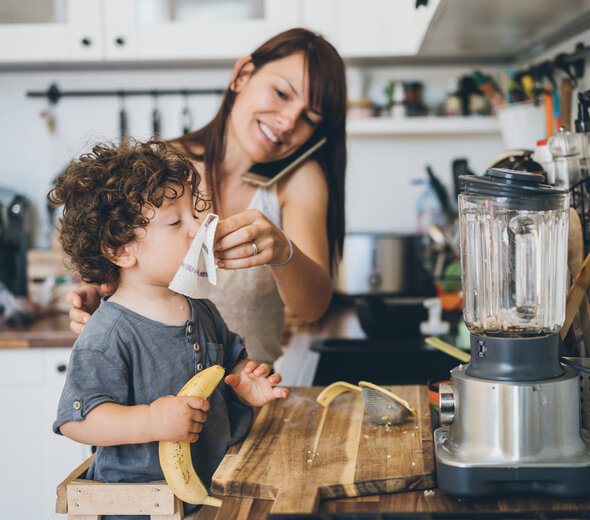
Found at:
<point>104,195</point>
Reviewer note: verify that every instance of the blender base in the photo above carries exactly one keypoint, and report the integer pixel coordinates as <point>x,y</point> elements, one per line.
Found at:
<point>564,478</point>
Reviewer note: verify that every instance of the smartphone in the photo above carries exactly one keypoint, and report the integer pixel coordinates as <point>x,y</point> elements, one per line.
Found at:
<point>266,174</point>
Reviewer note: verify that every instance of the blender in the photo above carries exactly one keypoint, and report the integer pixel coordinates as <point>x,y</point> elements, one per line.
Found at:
<point>511,417</point>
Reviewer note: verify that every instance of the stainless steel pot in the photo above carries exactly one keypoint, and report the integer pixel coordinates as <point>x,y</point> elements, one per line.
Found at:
<point>380,264</point>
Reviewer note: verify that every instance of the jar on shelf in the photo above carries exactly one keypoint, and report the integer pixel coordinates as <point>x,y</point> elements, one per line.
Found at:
<point>565,149</point>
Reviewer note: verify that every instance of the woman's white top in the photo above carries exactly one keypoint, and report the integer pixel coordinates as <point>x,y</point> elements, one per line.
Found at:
<point>248,299</point>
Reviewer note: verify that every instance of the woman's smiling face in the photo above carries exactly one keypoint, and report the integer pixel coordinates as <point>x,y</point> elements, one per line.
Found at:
<point>271,117</point>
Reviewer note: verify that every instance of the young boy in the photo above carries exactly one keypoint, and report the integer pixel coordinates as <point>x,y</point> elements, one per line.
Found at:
<point>129,217</point>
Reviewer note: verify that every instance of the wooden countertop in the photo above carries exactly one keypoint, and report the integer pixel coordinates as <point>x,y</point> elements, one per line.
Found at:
<point>51,331</point>
<point>54,331</point>
<point>343,322</point>
<point>432,501</point>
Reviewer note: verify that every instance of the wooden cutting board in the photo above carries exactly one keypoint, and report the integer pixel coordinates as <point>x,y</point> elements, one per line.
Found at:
<point>298,452</point>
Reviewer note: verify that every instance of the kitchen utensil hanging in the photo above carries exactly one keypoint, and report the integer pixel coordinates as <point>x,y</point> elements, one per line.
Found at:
<point>186,116</point>
<point>156,117</point>
<point>382,406</point>
<point>123,119</point>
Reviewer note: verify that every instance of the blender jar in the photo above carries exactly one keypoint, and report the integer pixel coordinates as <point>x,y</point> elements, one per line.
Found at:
<point>513,254</point>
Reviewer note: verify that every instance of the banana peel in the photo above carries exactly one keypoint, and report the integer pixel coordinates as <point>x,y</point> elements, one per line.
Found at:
<point>175,457</point>
<point>389,408</point>
<point>328,394</point>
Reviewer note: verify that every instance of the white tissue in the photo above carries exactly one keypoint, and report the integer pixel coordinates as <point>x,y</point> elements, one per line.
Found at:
<point>198,270</point>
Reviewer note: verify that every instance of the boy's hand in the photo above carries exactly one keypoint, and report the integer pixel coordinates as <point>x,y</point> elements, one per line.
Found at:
<point>176,418</point>
<point>254,386</point>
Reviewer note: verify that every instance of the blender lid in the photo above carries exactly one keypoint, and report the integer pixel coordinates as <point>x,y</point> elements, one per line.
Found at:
<point>524,189</point>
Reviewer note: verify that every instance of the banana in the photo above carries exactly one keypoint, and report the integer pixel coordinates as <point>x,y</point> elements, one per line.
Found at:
<point>175,457</point>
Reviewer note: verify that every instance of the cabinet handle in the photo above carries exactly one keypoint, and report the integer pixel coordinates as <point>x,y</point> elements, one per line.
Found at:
<point>87,42</point>
<point>62,367</point>
<point>120,40</point>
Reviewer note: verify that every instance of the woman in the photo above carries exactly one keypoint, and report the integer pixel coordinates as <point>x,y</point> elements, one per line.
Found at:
<point>275,246</point>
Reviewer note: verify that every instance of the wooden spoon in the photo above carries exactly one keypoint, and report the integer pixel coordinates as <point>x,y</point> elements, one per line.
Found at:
<point>577,295</point>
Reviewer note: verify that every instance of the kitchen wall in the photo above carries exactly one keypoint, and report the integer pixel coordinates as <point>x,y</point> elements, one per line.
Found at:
<point>380,193</point>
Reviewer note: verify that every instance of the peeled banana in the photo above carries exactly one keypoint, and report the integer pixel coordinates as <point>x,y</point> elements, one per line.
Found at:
<point>175,457</point>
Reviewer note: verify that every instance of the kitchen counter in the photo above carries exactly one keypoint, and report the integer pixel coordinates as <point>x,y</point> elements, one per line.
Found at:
<point>342,322</point>
<point>50,331</point>
<point>339,322</point>
<point>299,363</point>
<point>54,331</point>
<point>426,501</point>
<point>262,454</point>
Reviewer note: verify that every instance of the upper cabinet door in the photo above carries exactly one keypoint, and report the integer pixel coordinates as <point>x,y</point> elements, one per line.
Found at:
<point>50,30</point>
<point>192,29</point>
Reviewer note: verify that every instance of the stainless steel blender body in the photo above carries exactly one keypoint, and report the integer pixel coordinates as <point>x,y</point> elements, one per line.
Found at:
<point>544,420</point>
<point>508,437</point>
<point>514,412</point>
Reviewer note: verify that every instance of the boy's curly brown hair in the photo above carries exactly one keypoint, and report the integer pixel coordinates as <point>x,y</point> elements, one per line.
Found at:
<point>104,195</point>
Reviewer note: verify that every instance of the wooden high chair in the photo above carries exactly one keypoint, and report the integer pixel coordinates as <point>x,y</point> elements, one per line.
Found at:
<point>83,499</point>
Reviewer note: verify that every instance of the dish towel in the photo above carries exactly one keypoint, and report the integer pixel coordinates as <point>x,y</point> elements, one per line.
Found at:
<point>198,269</point>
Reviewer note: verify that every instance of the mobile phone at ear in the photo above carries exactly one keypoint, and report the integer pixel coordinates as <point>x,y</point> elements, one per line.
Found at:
<point>266,174</point>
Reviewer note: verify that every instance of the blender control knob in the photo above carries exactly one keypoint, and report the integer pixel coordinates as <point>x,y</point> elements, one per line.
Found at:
<point>446,403</point>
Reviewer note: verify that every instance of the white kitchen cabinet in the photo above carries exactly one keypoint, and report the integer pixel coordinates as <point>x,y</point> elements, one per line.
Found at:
<point>34,459</point>
<point>72,31</point>
<point>371,28</point>
<point>145,30</point>
<point>177,30</point>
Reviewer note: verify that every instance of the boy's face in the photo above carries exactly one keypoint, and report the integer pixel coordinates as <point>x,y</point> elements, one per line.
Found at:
<point>161,247</point>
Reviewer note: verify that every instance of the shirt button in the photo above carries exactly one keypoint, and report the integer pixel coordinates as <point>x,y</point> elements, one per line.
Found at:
<point>199,366</point>
<point>190,328</point>
<point>77,405</point>
<point>196,347</point>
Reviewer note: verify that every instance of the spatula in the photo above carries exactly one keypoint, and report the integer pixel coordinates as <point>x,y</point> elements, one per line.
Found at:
<point>575,256</point>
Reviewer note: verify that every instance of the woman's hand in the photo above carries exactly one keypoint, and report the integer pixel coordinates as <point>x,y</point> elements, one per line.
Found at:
<point>248,239</point>
<point>84,301</point>
<point>254,386</point>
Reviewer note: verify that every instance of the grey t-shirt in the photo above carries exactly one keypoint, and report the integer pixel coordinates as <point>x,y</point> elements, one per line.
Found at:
<point>122,357</point>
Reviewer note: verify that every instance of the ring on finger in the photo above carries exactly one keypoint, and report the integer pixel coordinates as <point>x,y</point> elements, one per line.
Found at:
<point>254,248</point>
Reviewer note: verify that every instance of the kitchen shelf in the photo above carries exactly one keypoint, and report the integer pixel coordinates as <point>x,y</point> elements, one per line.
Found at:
<point>430,125</point>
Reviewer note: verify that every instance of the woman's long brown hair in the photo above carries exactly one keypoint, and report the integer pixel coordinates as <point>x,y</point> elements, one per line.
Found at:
<point>327,89</point>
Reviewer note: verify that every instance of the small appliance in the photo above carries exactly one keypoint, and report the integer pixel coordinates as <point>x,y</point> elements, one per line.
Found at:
<point>383,275</point>
<point>511,416</point>
<point>14,241</point>
<point>381,264</point>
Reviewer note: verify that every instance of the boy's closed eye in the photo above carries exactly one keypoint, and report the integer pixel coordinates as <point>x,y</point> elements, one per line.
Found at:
<point>177,221</point>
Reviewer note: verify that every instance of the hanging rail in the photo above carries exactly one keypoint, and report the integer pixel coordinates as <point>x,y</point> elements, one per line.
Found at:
<point>54,94</point>
<point>573,64</point>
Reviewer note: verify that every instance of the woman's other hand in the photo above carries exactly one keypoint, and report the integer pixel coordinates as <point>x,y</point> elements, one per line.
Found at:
<point>84,301</point>
<point>248,239</point>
